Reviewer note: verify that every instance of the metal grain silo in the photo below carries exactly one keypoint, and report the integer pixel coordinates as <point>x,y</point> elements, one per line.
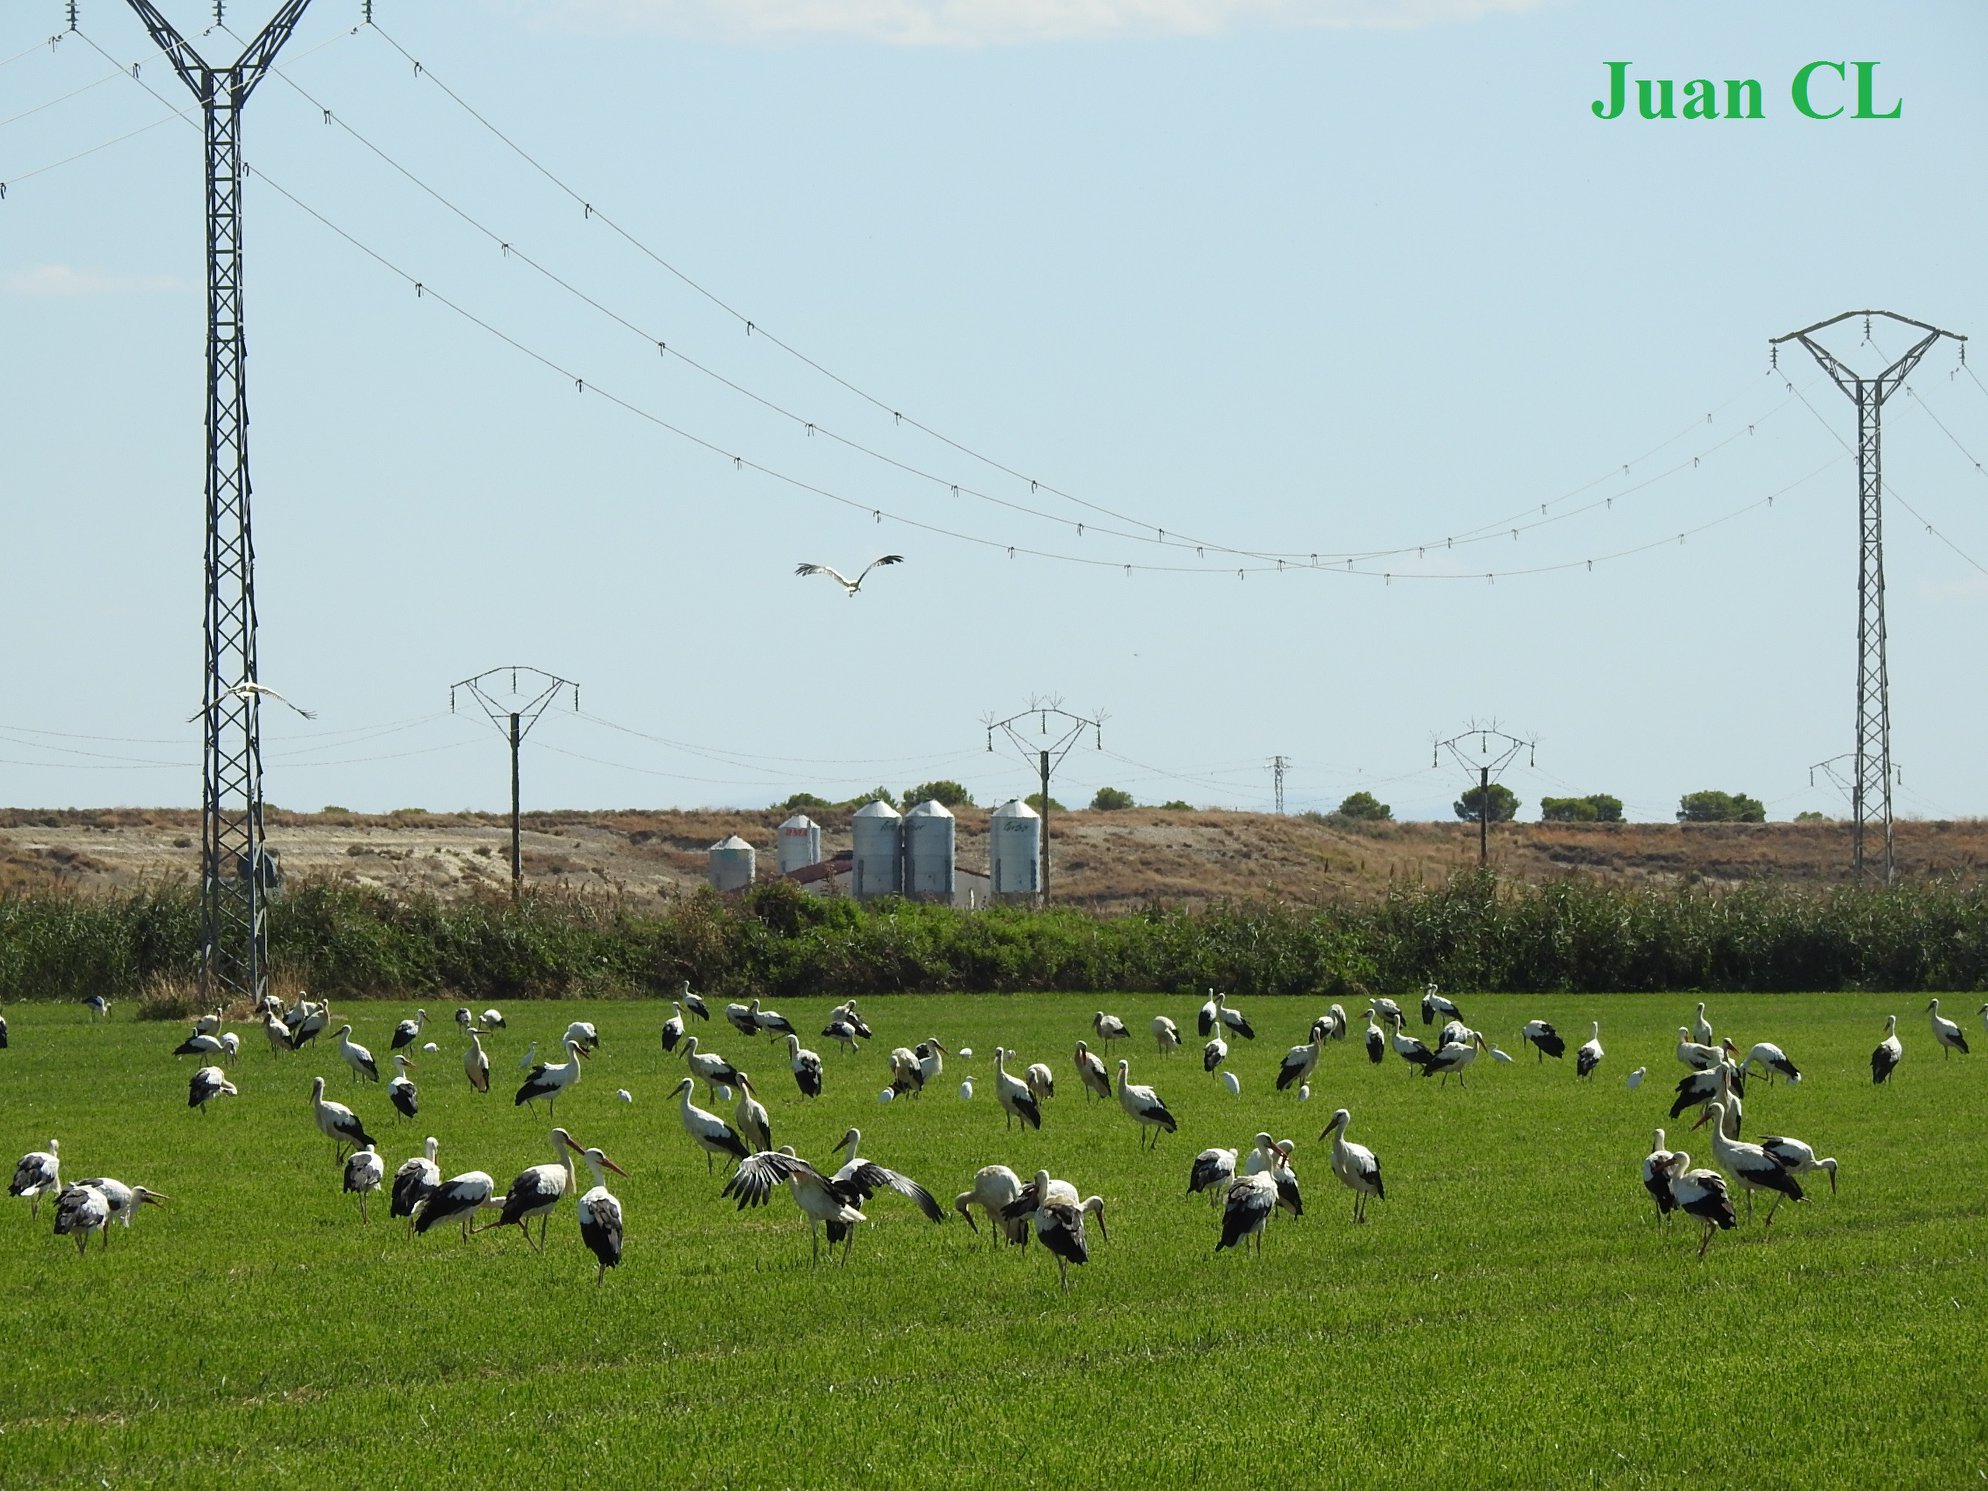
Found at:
<point>1014,850</point>
<point>878,851</point>
<point>733,863</point>
<point>928,852</point>
<point>800,843</point>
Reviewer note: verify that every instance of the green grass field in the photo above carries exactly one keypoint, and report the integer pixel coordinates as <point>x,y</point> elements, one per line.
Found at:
<point>1509,1316</point>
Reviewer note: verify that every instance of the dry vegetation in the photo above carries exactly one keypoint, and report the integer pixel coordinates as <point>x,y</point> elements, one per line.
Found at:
<point>1108,861</point>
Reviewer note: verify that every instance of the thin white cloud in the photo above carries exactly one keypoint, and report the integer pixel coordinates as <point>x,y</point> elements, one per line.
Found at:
<point>66,279</point>
<point>972,23</point>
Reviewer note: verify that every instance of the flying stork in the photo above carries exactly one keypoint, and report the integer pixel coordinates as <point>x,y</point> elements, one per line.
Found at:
<point>1143,1106</point>
<point>537,1190</point>
<point>208,1083</point>
<point>1890,1051</point>
<point>708,1131</point>
<point>600,1214</point>
<point>1354,1164</point>
<point>248,691</point>
<point>363,1173</point>
<point>337,1122</point>
<point>549,1079</point>
<point>850,587</point>
<point>1946,1034</point>
<point>1013,1094</point>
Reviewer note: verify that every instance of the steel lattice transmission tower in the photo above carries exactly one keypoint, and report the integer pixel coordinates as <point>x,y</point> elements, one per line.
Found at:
<point>234,931</point>
<point>1278,766</point>
<point>1870,774</point>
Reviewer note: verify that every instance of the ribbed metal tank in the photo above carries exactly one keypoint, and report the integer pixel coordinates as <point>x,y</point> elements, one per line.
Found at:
<point>928,852</point>
<point>733,863</point>
<point>1014,850</point>
<point>877,851</point>
<point>800,843</point>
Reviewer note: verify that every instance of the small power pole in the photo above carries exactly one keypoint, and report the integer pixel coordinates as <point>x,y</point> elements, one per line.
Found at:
<point>1278,766</point>
<point>1870,774</point>
<point>1496,750</point>
<point>514,720</point>
<point>1046,759</point>
<point>234,931</point>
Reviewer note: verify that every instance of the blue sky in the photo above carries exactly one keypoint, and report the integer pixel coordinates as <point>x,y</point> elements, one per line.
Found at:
<point>1284,279</point>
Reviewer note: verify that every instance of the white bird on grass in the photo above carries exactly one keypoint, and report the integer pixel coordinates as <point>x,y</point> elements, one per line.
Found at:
<point>1013,1094</point>
<point>1166,1034</point>
<point>1058,1216</point>
<point>401,1091</point>
<point>79,1211</point>
<point>708,1131</point>
<point>356,1056</point>
<point>1890,1051</point>
<point>1946,1034</point>
<point>123,1200</point>
<point>38,1174</point>
<point>457,1199</point>
<point>538,1189</point>
<point>1091,1073</point>
<point>363,1173</point>
<point>337,1122</point>
<point>849,586</point>
<point>600,1214</point>
<point>415,1181</point>
<point>1702,1194</point>
<point>1589,1056</point>
<point>994,1188</point>
<point>1773,1061</point>
<point>549,1080</point>
<point>1143,1106</point>
<point>1798,1159</point>
<point>476,1064</point>
<point>1214,1170</point>
<point>1355,1165</point>
<point>208,1083</point>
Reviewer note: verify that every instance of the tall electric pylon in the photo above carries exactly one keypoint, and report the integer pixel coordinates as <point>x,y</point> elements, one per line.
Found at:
<point>1870,776</point>
<point>1278,766</point>
<point>233,874</point>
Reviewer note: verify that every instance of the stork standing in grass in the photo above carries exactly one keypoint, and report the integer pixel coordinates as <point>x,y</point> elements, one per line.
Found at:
<point>1246,1210</point>
<point>357,1056</point>
<point>1273,1156</point>
<point>600,1214</point>
<point>754,1122</point>
<point>1355,1165</point>
<point>1301,1061</point>
<point>415,1181</point>
<point>1041,1081</point>
<point>1013,1094</point>
<point>38,1174</point>
<point>205,1085</point>
<point>1376,1041</point>
<point>1657,1178</point>
<point>1544,1039</point>
<point>1166,1034</point>
<point>818,1197</point>
<point>123,1200</point>
<point>1091,1073</point>
<point>364,1171</point>
<point>1890,1051</point>
<point>408,1031</point>
<point>673,1028</point>
<point>1702,1194</point>
<point>1753,1167</point>
<point>457,1199</point>
<point>548,1080</point>
<point>771,1021</point>
<point>708,1131</point>
<point>931,1061</point>
<point>583,1034</point>
<point>1143,1106</point>
<point>1214,1054</point>
<point>1589,1056</point>
<point>401,1090</point>
<point>994,1187</point>
<point>1406,1046</point>
<point>1213,1172</point>
<point>1455,1057</point>
<point>276,1033</point>
<point>1701,1028</point>
<point>1773,1061</point>
<point>538,1189</point>
<point>79,1211</point>
<point>1946,1035</point>
<point>1698,1058</point>
<point>806,1067</point>
<point>476,1064</point>
<point>1108,1028</point>
<point>337,1122</point>
<point>1058,1217</point>
<point>1798,1158</point>
<point>1434,1004</point>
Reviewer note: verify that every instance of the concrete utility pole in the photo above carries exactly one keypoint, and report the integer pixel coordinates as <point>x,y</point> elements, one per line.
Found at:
<point>1046,760</point>
<point>234,870</point>
<point>515,722</point>
<point>1870,772</point>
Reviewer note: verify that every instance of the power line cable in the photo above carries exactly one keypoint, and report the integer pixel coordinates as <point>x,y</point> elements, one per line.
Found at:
<point>62,99</point>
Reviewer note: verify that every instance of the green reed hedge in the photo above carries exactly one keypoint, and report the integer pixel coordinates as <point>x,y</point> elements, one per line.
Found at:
<point>1473,932</point>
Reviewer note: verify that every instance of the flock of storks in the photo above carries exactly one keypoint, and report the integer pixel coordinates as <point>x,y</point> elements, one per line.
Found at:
<point>1248,1187</point>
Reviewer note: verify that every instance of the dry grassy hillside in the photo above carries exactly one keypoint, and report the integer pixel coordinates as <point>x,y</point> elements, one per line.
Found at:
<point>1106,860</point>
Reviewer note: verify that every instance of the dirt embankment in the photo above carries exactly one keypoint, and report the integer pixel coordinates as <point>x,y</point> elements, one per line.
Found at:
<point>1111,861</point>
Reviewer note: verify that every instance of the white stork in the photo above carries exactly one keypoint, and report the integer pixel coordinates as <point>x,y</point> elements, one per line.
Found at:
<point>1355,1165</point>
<point>123,1200</point>
<point>1214,1171</point>
<point>1798,1159</point>
<point>1773,1061</point>
<point>1041,1081</point>
<point>1013,1094</point>
<point>850,587</point>
<point>1166,1034</point>
<point>549,1079</point>
<point>79,1211</point>
<point>491,1020</point>
<point>1301,1061</point>
<point>1698,1058</point>
<point>771,1021</point>
<point>415,1181</point>
<point>1589,1056</point>
<point>465,1020</point>
<point>408,1031</point>
<point>1753,1167</point>
<point>583,1034</point>
<point>1246,1210</point>
<point>1376,1041</point>
<point>3,1032</point>
<point>695,1002</point>
<point>1434,1004</point>
<point>364,1171</point>
<point>1273,1156</point>
<point>1390,1012</point>
<point>1108,1027</point>
<point>673,1028</point>
<point>337,1122</point>
<point>818,1197</point>
<point>1702,1194</point>
<point>1455,1057</point>
<point>401,1091</point>
<point>994,1187</point>
<point>356,1056</point>
<point>1214,1054</point>
<point>1143,1106</point>
<point>207,1024</point>
<point>1701,1028</point>
<point>708,1131</point>
<point>806,1067</point>
<point>98,1006</point>
<point>457,1199</point>
<point>740,1016</point>
<point>200,1044</point>
<point>1334,1019</point>
<point>276,1033</point>
<point>856,1021</point>
<point>1544,1039</point>
<point>600,1214</point>
<point>1058,1216</point>
<point>1700,1088</point>
<point>1657,1178</point>
<point>931,1060</point>
<point>476,1064</point>
<point>1946,1035</point>
<point>755,1124</point>
<point>867,1177</point>
<point>906,1073</point>
<point>1233,1018</point>
<point>1407,1047</point>
<point>1091,1073</point>
<point>1890,1051</point>
<point>538,1189</point>
<point>841,1030</point>
<point>208,1083</point>
<point>312,1018</point>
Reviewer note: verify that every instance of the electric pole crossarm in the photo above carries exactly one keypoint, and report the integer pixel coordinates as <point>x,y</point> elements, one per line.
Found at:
<point>260,55</point>
<point>1852,316</point>
<point>1897,373</point>
<point>192,69</point>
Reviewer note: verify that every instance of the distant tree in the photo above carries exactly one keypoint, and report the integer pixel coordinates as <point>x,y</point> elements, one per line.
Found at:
<point>1110,799</point>
<point>1607,809</point>
<point>800,801</point>
<point>1363,807</point>
<point>1504,804</point>
<point>1177,806</point>
<point>949,794</point>
<point>1811,816</point>
<point>864,799</point>
<point>1567,810</point>
<point>1720,807</point>
<point>1034,800</point>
